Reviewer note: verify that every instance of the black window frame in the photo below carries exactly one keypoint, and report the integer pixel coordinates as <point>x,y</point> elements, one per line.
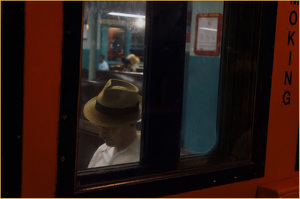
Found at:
<point>12,62</point>
<point>162,111</point>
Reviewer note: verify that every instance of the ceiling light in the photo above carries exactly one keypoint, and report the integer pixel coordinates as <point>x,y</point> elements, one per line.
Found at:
<point>140,23</point>
<point>210,29</point>
<point>125,15</point>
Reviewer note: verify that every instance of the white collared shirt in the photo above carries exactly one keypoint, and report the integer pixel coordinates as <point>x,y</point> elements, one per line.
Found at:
<point>104,155</point>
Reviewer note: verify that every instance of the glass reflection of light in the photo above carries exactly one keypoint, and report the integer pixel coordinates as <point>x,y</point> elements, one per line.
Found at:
<point>140,23</point>
<point>211,29</point>
<point>125,15</point>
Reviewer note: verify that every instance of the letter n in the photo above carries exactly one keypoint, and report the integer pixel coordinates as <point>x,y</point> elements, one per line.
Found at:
<point>288,78</point>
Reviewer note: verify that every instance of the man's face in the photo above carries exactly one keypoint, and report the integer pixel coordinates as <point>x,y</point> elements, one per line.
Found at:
<point>114,137</point>
<point>101,59</point>
<point>132,61</point>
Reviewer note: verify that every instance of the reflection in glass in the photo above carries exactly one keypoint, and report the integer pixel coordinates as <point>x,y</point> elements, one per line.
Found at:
<point>109,130</point>
<point>116,38</point>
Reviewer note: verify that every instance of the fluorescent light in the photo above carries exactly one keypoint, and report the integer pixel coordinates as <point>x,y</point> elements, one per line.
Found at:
<point>140,22</point>
<point>211,29</point>
<point>125,15</point>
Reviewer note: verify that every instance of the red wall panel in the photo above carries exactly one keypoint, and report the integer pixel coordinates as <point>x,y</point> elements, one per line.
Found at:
<point>43,57</point>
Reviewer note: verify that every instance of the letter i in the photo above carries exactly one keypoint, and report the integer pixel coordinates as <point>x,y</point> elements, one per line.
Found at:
<point>290,58</point>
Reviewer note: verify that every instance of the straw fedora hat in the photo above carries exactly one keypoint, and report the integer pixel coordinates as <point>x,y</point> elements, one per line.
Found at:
<point>118,103</point>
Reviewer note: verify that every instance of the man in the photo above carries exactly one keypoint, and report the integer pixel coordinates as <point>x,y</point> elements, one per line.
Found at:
<point>115,111</point>
<point>102,65</point>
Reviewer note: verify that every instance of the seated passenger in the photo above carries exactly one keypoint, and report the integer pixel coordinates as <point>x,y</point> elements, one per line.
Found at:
<point>127,66</point>
<point>134,60</point>
<point>102,65</point>
<point>115,111</point>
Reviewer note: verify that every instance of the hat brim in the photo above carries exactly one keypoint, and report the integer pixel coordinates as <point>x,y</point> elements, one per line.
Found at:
<point>104,120</point>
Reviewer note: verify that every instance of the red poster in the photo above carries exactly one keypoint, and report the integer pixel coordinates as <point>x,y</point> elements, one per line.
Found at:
<point>208,34</point>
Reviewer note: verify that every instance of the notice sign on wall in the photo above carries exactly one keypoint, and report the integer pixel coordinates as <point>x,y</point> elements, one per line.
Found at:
<point>208,34</point>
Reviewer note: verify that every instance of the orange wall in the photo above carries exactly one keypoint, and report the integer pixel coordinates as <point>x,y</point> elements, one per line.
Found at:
<point>283,119</point>
<point>43,57</point>
<point>43,46</point>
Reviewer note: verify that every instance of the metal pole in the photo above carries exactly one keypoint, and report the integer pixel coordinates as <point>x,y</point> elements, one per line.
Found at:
<point>92,37</point>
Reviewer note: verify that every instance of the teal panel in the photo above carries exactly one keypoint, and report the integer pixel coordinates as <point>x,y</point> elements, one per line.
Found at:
<point>104,41</point>
<point>127,42</point>
<point>200,103</point>
<point>85,58</point>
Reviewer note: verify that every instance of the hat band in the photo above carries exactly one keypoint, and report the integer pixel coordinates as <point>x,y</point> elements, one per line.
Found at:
<point>116,111</point>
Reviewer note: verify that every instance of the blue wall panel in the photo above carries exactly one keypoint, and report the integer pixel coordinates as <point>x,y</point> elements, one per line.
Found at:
<point>200,103</point>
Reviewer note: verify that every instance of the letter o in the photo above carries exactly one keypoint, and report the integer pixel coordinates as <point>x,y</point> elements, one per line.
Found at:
<point>295,20</point>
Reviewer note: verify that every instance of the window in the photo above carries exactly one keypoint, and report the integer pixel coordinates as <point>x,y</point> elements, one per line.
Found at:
<point>205,101</point>
<point>202,70</point>
<point>116,31</point>
<point>218,85</point>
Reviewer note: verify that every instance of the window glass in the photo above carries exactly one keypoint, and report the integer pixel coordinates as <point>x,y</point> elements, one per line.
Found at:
<point>109,131</point>
<point>116,38</point>
<point>219,86</point>
<point>202,68</point>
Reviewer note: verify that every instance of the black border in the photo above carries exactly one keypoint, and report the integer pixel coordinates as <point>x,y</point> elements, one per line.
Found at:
<point>266,13</point>
<point>297,154</point>
<point>12,77</point>
<point>162,102</point>
<point>71,58</point>
<point>264,80</point>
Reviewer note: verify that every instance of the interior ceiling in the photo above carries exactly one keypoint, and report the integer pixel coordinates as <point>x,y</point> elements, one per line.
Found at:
<point>130,7</point>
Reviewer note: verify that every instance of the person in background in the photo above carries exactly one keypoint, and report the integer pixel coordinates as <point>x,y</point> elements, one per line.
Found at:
<point>102,65</point>
<point>134,60</point>
<point>127,66</point>
<point>115,111</point>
